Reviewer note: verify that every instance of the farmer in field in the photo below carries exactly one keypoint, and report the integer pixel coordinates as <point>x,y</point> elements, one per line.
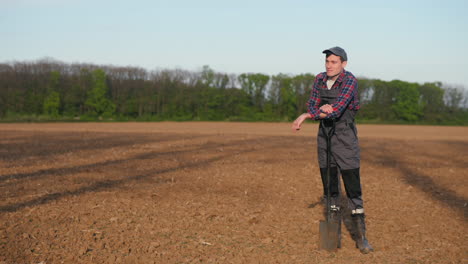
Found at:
<point>334,96</point>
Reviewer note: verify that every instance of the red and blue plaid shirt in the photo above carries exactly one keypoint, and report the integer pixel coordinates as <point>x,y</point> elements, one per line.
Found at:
<point>347,98</point>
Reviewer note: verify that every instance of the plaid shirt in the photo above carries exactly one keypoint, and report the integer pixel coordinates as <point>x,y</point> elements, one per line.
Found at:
<point>347,98</point>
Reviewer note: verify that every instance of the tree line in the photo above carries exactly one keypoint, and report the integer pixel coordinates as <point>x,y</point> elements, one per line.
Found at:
<point>51,90</point>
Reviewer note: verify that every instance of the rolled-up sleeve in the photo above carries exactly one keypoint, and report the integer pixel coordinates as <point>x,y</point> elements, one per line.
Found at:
<point>314,101</point>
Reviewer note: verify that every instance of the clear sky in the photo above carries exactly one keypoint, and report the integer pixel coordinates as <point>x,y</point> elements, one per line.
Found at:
<point>420,41</point>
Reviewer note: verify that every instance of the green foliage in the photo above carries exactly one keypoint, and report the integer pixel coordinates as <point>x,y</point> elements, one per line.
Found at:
<point>284,97</point>
<point>82,92</point>
<point>52,104</point>
<point>406,104</point>
<point>302,85</point>
<point>432,101</point>
<point>254,84</point>
<point>207,76</point>
<point>454,98</point>
<point>97,102</point>
<point>54,80</point>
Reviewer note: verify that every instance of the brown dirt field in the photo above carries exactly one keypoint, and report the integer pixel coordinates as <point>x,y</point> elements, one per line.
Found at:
<point>198,192</point>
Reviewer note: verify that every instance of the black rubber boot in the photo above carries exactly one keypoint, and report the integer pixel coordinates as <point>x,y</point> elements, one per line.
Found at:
<point>361,241</point>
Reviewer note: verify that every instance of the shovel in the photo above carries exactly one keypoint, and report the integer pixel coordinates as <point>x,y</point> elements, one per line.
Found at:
<point>329,238</point>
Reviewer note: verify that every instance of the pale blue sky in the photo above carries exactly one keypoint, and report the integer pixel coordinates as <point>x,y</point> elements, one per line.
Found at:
<point>408,40</point>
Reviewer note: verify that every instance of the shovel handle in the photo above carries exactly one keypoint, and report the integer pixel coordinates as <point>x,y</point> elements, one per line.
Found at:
<point>328,134</point>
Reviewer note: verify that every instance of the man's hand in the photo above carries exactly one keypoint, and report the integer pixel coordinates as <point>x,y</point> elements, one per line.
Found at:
<point>328,109</point>
<point>298,122</point>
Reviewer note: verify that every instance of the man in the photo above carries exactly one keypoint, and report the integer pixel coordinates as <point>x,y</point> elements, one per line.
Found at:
<point>334,100</point>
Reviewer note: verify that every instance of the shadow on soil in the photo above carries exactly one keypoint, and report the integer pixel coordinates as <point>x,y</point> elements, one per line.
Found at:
<point>388,158</point>
<point>19,145</point>
<point>241,147</point>
<point>72,143</point>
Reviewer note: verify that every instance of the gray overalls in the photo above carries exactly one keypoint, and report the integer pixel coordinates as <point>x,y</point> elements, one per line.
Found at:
<point>345,152</point>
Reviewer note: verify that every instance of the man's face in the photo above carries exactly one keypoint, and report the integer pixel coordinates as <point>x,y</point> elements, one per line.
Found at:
<point>334,65</point>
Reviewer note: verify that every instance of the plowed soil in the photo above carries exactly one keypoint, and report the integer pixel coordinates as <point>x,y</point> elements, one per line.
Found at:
<point>199,192</point>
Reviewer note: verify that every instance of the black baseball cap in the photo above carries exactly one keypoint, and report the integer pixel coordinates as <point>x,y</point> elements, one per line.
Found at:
<point>338,52</point>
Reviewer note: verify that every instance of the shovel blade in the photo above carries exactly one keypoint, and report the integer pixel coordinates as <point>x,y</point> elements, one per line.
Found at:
<point>329,235</point>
